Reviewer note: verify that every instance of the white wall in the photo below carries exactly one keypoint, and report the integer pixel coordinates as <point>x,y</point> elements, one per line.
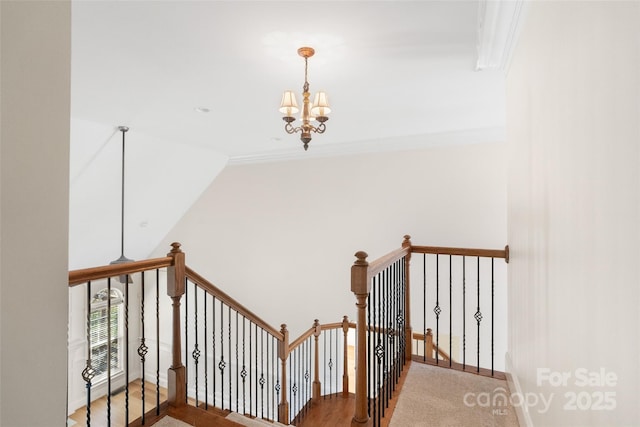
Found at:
<point>281,237</point>
<point>573,97</point>
<point>34,185</point>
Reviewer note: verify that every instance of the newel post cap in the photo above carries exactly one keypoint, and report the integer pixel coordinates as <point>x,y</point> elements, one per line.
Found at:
<point>361,258</point>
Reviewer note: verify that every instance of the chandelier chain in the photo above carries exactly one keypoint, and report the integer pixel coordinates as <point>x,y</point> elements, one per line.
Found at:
<point>305,88</point>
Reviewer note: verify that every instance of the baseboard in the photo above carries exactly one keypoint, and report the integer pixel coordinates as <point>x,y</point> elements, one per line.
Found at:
<point>524,419</point>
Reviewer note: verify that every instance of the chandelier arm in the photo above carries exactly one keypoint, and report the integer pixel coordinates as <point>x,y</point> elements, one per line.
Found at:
<point>290,129</point>
<point>319,129</point>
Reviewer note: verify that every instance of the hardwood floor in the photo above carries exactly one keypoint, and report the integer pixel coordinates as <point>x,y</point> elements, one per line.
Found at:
<point>99,406</point>
<point>338,410</point>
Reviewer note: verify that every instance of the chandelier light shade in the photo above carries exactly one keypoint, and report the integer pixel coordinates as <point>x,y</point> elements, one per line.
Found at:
<point>311,112</point>
<point>122,259</point>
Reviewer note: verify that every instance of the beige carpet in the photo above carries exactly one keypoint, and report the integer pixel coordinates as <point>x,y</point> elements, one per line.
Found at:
<point>434,396</point>
<point>170,422</point>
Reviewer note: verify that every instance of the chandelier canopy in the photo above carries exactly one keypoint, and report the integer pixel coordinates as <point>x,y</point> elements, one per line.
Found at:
<point>316,112</point>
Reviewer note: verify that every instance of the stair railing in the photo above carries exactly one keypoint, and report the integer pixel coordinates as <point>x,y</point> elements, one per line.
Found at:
<point>109,334</point>
<point>215,352</point>
<point>320,353</point>
<point>383,331</point>
<point>236,361</point>
<point>384,338</point>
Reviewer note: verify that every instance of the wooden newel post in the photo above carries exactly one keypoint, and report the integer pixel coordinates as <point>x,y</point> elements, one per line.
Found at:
<point>429,344</point>
<point>283,353</point>
<point>345,362</point>
<point>408,330</point>
<point>360,286</point>
<point>317,329</point>
<point>175,289</point>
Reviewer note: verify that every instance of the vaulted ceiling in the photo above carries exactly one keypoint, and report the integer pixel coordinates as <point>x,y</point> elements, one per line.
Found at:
<point>399,74</point>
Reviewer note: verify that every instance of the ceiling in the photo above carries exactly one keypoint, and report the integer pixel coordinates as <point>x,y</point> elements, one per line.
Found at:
<point>399,74</point>
<point>392,69</point>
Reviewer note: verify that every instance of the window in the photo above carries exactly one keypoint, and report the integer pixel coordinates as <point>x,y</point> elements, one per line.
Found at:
<point>103,323</point>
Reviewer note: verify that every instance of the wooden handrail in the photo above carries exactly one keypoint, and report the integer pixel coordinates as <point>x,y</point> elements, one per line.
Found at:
<point>326,327</point>
<point>339,325</point>
<point>77,277</point>
<point>440,250</point>
<point>203,283</point>
<point>305,335</point>
<point>385,261</point>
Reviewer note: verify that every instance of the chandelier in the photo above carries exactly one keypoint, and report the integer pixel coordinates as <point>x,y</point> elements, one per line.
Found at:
<point>317,112</point>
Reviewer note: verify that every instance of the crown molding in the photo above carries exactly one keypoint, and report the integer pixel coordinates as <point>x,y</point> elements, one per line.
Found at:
<point>403,143</point>
<point>499,24</point>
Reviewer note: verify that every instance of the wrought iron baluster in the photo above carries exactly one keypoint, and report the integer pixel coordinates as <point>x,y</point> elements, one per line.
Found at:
<point>213,347</point>
<point>206,354</point>
<point>324,358</point>
<point>450,308</point>
<point>237,366</point>
<point>424,307</point>
<point>397,323</point>
<point>186,340</point>
<point>299,378</point>
<point>336,336</point>
<point>377,351</point>
<point>275,367</point>
<point>142,348</point>
<point>310,368</point>
<point>394,320</point>
<point>262,380</point>
<point>88,372</point>
<point>403,312</point>
<point>464,313</point>
<point>230,358</point>
<point>370,353</point>
<point>478,317</point>
<point>437,310</point>
<point>222,363</point>
<point>296,382</point>
<point>330,363</point>
<point>256,366</point>
<point>109,352</point>
<point>157,342</point>
<point>292,386</point>
<point>126,349</point>
<point>243,373</point>
<point>492,314</point>
<point>385,337</point>
<point>196,350</point>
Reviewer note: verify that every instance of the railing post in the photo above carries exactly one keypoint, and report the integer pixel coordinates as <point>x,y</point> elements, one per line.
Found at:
<point>283,353</point>
<point>316,376</point>
<point>345,363</point>
<point>429,344</point>
<point>175,289</point>
<point>360,286</point>
<point>408,330</point>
